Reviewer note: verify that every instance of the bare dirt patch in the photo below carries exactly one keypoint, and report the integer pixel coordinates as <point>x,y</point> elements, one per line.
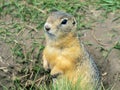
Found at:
<point>100,41</point>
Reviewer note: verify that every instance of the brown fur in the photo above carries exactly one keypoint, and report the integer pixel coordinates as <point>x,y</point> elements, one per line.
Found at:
<point>64,54</point>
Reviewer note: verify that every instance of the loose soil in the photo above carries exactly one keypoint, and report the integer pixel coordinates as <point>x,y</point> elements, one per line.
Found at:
<point>99,40</point>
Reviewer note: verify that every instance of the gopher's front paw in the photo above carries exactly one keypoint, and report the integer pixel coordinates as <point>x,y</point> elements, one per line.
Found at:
<point>55,75</point>
<point>54,78</point>
<point>45,64</point>
<point>55,72</point>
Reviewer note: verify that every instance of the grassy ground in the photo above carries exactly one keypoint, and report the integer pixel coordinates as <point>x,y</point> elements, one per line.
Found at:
<point>22,38</point>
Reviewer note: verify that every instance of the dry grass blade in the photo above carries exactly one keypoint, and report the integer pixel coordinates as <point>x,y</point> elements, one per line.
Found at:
<point>94,37</point>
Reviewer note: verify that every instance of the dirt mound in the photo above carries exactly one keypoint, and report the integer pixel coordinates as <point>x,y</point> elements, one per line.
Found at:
<point>100,42</point>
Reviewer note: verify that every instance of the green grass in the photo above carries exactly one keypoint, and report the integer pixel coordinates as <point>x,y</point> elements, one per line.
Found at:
<point>109,5</point>
<point>20,28</point>
<point>117,46</point>
<point>64,84</point>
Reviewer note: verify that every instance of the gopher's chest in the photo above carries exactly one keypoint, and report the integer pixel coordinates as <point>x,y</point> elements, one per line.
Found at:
<point>51,54</point>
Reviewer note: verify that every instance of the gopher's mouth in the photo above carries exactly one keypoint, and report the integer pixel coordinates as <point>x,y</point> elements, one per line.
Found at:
<point>51,35</point>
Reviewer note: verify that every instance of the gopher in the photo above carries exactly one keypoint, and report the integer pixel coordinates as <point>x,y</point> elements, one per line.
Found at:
<point>64,53</point>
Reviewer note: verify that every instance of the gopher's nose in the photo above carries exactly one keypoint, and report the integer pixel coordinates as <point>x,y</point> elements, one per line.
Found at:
<point>47,28</point>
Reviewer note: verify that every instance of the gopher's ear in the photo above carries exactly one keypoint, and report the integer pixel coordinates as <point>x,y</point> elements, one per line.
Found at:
<point>53,10</point>
<point>74,22</point>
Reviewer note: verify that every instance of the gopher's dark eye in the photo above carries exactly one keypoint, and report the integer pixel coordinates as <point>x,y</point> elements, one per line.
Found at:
<point>64,21</point>
<point>74,23</point>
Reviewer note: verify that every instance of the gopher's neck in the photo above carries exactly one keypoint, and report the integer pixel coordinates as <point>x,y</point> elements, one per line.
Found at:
<point>63,42</point>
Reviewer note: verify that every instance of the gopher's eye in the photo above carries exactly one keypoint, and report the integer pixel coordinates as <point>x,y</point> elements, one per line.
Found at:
<point>64,21</point>
<point>74,23</point>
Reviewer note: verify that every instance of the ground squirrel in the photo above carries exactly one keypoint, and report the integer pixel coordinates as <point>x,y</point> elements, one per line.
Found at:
<point>64,54</point>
